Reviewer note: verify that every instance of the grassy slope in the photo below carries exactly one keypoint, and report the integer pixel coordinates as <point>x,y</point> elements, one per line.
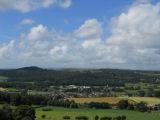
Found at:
<point>58,113</point>
<point>110,100</point>
<point>148,100</point>
<point>114,100</point>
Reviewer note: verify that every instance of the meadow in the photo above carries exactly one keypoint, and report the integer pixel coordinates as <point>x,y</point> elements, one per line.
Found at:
<point>114,100</point>
<point>58,113</point>
<point>149,100</point>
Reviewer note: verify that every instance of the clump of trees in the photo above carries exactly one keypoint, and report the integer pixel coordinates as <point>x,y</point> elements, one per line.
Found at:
<point>66,117</point>
<point>22,112</point>
<point>17,99</point>
<point>98,105</point>
<point>124,104</point>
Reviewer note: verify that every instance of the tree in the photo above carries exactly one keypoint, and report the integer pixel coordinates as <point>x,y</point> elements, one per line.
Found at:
<point>106,118</point>
<point>6,113</point>
<point>142,107</point>
<point>123,104</point>
<point>81,118</point>
<point>96,117</point>
<point>123,117</point>
<point>24,111</point>
<point>66,117</point>
<point>43,116</point>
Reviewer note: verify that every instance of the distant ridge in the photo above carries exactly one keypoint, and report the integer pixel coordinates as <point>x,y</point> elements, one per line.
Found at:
<point>30,68</point>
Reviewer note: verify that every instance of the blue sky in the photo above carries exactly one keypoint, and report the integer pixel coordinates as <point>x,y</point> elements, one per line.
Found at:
<point>80,33</point>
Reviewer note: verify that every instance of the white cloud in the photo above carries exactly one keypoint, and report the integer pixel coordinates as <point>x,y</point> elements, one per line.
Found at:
<point>65,4</point>
<point>38,33</point>
<point>134,43</point>
<point>27,22</point>
<point>30,5</point>
<point>139,27</point>
<point>90,43</point>
<point>6,50</point>
<point>90,29</point>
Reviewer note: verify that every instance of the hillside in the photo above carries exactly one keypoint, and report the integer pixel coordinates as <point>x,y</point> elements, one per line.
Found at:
<point>80,77</point>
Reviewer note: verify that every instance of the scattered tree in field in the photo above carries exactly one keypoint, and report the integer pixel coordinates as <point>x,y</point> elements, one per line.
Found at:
<point>96,117</point>
<point>142,107</point>
<point>123,104</point>
<point>66,117</point>
<point>43,116</point>
<point>81,118</point>
<point>106,118</point>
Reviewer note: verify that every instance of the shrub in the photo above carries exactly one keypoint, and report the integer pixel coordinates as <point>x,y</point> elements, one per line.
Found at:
<point>81,118</point>
<point>43,116</point>
<point>66,117</point>
<point>96,117</point>
<point>142,107</point>
<point>123,104</point>
<point>47,109</point>
<point>106,118</point>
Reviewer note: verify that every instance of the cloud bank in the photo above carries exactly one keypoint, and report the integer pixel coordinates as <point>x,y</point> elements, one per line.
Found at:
<point>134,43</point>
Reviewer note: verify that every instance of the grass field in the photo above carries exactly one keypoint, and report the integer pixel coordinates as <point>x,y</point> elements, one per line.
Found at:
<point>11,89</point>
<point>113,100</point>
<point>58,113</point>
<point>39,93</point>
<point>3,79</point>
<point>149,100</point>
<point>110,100</point>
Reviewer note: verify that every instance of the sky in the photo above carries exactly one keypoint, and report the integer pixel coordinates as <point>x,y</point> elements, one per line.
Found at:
<point>123,34</point>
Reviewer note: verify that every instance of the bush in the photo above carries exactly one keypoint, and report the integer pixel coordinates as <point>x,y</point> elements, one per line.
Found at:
<point>142,107</point>
<point>120,118</point>
<point>123,104</point>
<point>81,118</point>
<point>43,116</point>
<point>47,109</point>
<point>99,105</point>
<point>96,117</point>
<point>106,118</point>
<point>66,117</point>
<point>123,117</point>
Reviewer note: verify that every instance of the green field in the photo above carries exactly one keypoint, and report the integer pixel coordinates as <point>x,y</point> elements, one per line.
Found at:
<point>58,113</point>
<point>3,79</point>
<point>11,89</point>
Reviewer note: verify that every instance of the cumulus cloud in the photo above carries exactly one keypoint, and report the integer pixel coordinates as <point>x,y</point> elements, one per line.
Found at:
<point>137,35</point>
<point>90,29</point>
<point>30,5</point>
<point>139,27</point>
<point>65,4</point>
<point>6,50</point>
<point>27,22</point>
<point>134,43</point>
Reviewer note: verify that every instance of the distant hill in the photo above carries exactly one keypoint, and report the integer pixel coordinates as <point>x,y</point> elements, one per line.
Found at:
<point>33,68</point>
<point>80,77</point>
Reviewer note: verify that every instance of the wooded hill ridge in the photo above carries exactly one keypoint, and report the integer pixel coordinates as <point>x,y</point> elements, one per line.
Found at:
<point>81,77</point>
